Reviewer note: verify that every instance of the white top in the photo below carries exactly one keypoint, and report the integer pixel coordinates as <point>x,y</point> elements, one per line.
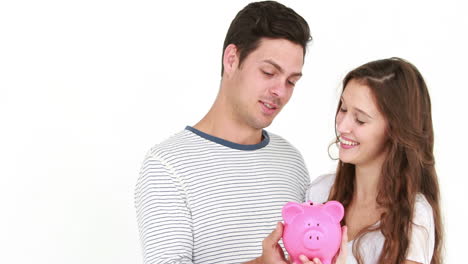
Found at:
<point>422,236</point>
<point>201,199</point>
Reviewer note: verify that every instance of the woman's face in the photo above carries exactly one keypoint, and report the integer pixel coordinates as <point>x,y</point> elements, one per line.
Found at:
<point>361,126</point>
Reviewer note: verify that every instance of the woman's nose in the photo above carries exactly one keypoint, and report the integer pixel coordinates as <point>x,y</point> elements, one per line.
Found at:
<point>343,123</point>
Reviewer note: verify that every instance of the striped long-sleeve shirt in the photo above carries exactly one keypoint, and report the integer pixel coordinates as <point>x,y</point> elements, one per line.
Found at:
<point>201,199</point>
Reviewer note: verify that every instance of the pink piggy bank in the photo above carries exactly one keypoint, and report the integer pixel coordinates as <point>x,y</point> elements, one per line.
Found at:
<point>312,230</point>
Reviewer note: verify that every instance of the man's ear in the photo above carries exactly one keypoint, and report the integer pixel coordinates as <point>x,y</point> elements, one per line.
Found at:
<point>230,59</point>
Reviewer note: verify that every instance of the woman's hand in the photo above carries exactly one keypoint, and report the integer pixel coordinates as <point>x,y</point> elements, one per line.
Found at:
<point>340,258</point>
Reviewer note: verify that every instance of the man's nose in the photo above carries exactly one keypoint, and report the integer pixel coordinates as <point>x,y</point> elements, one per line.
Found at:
<point>279,89</point>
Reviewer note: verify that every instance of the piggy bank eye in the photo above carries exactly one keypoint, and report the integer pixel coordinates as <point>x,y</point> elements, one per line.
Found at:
<point>311,203</point>
<point>318,224</point>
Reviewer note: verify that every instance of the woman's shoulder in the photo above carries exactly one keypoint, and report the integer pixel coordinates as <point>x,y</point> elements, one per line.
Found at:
<point>422,237</point>
<point>422,214</point>
<point>319,189</point>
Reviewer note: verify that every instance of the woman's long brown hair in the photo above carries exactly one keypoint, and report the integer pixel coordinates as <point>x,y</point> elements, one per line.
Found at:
<point>402,97</point>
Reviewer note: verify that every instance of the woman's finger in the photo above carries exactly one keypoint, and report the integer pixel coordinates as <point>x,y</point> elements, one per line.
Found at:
<point>316,261</point>
<point>342,255</point>
<point>306,260</point>
<point>344,241</point>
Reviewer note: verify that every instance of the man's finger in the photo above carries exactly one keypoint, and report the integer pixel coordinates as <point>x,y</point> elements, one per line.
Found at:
<point>276,234</point>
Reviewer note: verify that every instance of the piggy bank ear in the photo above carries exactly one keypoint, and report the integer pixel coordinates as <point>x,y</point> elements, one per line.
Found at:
<point>290,210</point>
<point>335,210</point>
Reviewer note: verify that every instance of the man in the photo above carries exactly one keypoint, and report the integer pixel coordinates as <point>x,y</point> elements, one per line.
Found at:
<point>214,191</point>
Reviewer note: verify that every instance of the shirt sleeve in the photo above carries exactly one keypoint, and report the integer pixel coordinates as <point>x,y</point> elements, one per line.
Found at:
<point>319,189</point>
<point>163,217</point>
<point>422,236</point>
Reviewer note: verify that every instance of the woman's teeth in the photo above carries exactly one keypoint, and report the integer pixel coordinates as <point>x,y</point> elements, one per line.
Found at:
<point>349,143</point>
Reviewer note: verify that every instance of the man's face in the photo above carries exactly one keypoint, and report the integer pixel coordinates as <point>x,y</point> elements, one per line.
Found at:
<point>265,81</point>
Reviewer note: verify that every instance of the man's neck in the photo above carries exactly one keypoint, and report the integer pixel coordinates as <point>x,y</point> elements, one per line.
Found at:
<point>221,122</point>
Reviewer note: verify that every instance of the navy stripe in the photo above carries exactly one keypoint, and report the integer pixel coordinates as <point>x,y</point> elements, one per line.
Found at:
<point>230,144</point>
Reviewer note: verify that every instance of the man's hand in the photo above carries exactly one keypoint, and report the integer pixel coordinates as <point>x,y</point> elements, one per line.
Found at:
<point>272,251</point>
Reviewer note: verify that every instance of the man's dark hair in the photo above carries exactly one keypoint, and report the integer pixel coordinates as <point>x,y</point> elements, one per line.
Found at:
<point>266,19</point>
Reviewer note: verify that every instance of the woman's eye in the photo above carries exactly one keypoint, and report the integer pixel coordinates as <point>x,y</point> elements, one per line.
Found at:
<point>343,110</point>
<point>267,73</point>
<point>359,122</point>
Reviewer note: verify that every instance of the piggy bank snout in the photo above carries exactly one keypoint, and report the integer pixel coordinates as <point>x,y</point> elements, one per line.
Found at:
<point>313,239</point>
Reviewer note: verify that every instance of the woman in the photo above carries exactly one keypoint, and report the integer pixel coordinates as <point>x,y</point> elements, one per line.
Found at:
<point>385,178</point>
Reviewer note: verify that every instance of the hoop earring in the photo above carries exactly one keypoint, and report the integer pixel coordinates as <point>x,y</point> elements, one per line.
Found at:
<point>331,144</point>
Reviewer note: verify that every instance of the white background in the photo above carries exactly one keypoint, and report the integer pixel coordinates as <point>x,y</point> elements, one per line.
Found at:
<point>87,87</point>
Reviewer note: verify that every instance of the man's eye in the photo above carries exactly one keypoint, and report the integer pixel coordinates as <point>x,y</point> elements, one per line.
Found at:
<point>343,110</point>
<point>267,73</point>
<point>359,122</point>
